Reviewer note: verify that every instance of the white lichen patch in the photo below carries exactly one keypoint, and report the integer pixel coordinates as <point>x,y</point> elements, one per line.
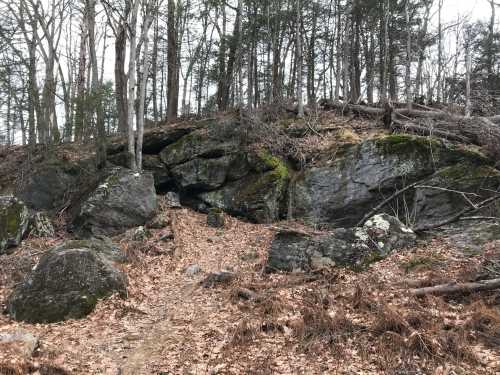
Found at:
<point>361,234</point>
<point>405,229</point>
<point>378,222</point>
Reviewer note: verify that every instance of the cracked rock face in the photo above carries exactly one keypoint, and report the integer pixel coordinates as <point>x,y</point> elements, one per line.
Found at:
<point>353,247</point>
<point>361,176</point>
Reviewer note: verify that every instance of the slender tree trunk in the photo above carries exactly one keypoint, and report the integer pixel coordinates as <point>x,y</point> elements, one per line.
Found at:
<point>142,93</point>
<point>468,63</point>
<point>121,77</point>
<point>173,69</point>
<point>132,26</point>
<point>100,130</point>
<point>408,56</point>
<point>298,42</point>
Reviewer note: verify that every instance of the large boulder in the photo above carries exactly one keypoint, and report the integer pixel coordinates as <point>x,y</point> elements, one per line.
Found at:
<point>353,247</point>
<point>341,193</point>
<point>124,199</point>
<point>203,174</point>
<point>205,143</point>
<point>67,283</point>
<point>259,196</point>
<point>163,178</point>
<point>54,182</point>
<point>14,220</point>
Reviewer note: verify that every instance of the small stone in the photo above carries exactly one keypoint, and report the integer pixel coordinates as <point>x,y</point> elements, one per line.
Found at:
<point>215,278</point>
<point>19,342</point>
<point>140,234</point>
<point>192,270</point>
<point>173,200</point>
<point>251,256</point>
<point>215,218</point>
<point>157,223</point>
<point>167,236</point>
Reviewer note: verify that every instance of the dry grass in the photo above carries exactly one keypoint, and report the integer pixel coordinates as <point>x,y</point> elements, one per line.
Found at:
<point>244,333</point>
<point>485,321</point>
<point>318,326</point>
<point>389,320</point>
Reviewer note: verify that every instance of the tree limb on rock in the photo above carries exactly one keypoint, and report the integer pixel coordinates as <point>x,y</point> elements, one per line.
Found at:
<point>453,288</point>
<point>458,215</point>
<point>375,209</point>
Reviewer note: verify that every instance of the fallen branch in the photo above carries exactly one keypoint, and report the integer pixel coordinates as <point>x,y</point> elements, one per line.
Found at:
<point>453,288</point>
<point>418,129</point>
<point>374,210</point>
<point>458,215</point>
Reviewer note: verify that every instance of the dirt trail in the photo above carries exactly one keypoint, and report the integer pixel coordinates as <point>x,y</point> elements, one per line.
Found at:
<point>188,328</point>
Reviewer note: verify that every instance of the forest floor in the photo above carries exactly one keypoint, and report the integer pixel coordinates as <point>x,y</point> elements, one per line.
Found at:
<point>336,322</point>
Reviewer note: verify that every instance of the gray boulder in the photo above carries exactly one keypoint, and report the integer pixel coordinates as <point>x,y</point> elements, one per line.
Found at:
<point>341,193</point>
<point>150,163</point>
<point>202,174</point>
<point>203,143</point>
<point>259,196</point>
<point>14,220</point>
<point>53,183</point>
<point>124,199</point>
<point>354,247</point>
<point>67,283</point>
<point>156,139</point>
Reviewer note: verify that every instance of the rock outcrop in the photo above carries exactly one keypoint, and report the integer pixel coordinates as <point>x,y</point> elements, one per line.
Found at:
<point>353,247</point>
<point>214,164</point>
<point>123,200</point>
<point>340,194</point>
<point>67,282</point>
<point>14,220</point>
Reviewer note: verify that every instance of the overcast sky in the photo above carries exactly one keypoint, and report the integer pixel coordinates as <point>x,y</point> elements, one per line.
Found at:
<point>478,9</point>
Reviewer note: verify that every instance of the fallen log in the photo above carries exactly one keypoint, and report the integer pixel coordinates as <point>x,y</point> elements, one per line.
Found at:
<point>431,113</point>
<point>422,130</point>
<point>453,288</point>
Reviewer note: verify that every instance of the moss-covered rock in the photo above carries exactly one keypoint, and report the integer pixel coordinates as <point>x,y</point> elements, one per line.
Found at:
<point>14,220</point>
<point>258,196</point>
<point>66,283</point>
<point>201,143</point>
<point>341,193</point>
<point>354,247</point>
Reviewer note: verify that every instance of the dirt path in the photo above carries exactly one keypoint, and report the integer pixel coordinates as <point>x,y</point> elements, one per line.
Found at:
<point>190,324</point>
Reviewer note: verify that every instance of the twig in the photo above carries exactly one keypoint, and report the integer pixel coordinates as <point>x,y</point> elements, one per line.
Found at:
<point>458,215</point>
<point>385,202</point>
<point>453,288</point>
